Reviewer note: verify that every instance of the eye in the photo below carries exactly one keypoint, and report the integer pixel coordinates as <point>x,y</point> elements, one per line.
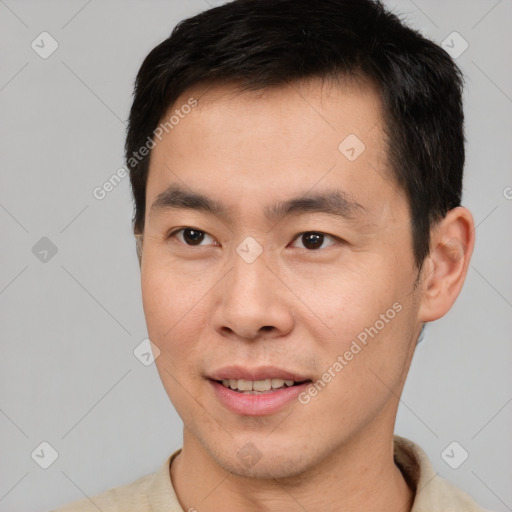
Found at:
<point>191,236</point>
<point>313,240</point>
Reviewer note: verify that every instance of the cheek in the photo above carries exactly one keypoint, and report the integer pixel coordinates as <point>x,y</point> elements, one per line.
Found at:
<point>176,310</point>
<point>364,365</point>
<point>171,298</point>
<point>368,313</point>
<point>347,297</point>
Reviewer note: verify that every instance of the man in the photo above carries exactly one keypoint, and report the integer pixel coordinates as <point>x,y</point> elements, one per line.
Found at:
<point>297,170</point>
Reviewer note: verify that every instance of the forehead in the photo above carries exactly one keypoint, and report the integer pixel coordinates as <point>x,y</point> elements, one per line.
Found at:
<point>275,142</point>
<point>339,106</point>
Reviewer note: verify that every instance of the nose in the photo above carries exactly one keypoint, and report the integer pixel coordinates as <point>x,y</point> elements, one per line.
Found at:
<point>252,302</point>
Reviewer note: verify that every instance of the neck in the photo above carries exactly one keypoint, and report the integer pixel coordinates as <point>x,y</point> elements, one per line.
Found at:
<point>357,476</point>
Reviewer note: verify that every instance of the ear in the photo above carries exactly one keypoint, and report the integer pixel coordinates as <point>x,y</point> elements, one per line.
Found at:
<point>139,237</point>
<point>446,266</point>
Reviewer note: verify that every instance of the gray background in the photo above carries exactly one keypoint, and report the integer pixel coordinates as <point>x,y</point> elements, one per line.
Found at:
<point>68,375</point>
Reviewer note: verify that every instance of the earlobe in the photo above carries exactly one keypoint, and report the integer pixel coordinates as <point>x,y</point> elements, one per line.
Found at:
<point>445,269</point>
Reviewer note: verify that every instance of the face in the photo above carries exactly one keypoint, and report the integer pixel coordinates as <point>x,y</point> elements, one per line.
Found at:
<point>277,247</point>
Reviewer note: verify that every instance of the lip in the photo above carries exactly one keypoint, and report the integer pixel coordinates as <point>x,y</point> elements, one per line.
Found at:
<point>256,405</point>
<point>258,373</point>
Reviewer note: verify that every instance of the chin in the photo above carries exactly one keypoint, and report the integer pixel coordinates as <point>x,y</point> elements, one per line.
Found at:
<point>276,466</point>
<point>262,460</point>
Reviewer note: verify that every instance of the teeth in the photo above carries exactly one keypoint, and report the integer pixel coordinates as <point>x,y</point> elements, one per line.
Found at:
<point>244,385</point>
<point>278,383</point>
<point>256,385</point>
<point>262,385</point>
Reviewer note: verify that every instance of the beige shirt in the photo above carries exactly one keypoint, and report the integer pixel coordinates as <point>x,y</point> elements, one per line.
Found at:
<point>155,493</point>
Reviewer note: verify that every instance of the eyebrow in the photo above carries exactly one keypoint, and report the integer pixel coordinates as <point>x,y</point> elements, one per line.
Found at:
<point>333,202</point>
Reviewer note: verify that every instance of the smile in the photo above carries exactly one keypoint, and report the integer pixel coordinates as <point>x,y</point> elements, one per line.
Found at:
<point>254,402</point>
<point>257,386</point>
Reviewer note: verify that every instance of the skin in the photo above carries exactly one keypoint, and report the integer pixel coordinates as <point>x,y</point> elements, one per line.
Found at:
<point>293,307</point>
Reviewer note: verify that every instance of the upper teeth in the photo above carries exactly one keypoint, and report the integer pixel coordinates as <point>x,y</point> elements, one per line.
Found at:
<point>256,385</point>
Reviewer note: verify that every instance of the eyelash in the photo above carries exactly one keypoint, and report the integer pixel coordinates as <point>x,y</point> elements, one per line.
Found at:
<point>332,237</point>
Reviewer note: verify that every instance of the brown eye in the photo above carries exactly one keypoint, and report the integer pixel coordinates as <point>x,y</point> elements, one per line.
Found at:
<point>313,240</point>
<point>193,236</point>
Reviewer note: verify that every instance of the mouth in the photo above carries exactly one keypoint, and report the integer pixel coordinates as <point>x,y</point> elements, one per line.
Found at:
<point>258,387</point>
<point>258,392</point>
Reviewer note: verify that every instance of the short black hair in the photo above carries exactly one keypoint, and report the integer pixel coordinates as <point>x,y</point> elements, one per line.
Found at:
<point>255,44</point>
